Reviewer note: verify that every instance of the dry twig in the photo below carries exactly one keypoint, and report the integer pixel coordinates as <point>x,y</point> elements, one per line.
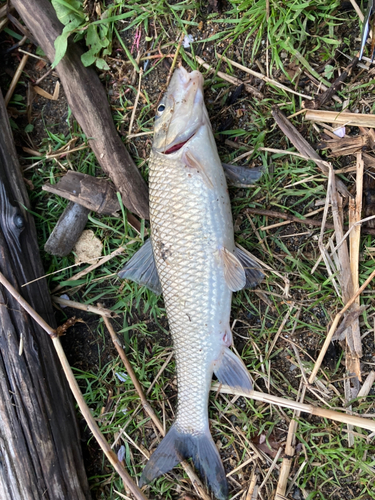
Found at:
<point>84,307</point>
<point>231,79</point>
<point>266,79</point>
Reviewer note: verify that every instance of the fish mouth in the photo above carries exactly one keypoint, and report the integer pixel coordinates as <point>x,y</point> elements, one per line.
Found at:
<point>178,146</point>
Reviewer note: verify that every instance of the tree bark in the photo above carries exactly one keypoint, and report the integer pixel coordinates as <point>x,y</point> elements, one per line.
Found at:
<point>88,102</point>
<point>40,453</point>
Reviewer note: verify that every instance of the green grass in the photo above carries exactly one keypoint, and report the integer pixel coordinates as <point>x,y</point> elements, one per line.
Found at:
<point>309,32</point>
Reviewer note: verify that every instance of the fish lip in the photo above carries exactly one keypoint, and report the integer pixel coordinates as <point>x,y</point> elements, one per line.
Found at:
<point>177,144</point>
<point>176,147</point>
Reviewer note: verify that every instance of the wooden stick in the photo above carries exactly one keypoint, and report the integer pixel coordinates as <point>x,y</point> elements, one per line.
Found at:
<point>146,405</point>
<point>89,104</point>
<point>266,79</point>
<point>148,409</point>
<point>342,118</point>
<point>363,423</point>
<point>15,79</point>
<point>84,307</point>
<point>112,457</point>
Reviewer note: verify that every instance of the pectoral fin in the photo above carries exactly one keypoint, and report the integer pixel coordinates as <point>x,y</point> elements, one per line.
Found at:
<point>242,176</point>
<point>141,268</point>
<point>252,269</point>
<point>230,370</point>
<point>193,162</point>
<point>234,273</point>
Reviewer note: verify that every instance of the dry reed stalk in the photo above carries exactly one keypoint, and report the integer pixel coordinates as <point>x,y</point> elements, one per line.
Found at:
<point>198,486</point>
<point>231,79</point>
<point>368,383</point>
<point>112,457</point>
<point>341,118</point>
<point>252,486</point>
<point>266,79</point>
<point>286,464</point>
<point>363,423</point>
<point>353,335</point>
<point>323,251</point>
<point>15,79</point>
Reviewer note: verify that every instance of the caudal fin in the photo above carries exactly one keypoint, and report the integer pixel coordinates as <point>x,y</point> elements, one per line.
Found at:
<point>175,447</point>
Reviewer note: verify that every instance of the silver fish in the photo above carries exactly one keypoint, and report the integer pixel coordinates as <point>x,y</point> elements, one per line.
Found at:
<point>192,258</point>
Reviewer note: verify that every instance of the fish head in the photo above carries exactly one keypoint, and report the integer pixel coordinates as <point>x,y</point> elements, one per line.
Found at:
<point>180,113</point>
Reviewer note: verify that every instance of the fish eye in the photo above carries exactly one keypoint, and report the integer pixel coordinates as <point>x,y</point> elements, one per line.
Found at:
<point>161,108</point>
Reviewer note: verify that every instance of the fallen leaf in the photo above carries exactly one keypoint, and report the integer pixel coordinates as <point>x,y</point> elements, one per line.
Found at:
<point>269,446</point>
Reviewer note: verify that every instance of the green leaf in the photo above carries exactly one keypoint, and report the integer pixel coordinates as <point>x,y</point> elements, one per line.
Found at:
<point>61,44</point>
<point>88,58</point>
<point>29,128</point>
<point>68,11</point>
<point>101,64</point>
<point>329,71</point>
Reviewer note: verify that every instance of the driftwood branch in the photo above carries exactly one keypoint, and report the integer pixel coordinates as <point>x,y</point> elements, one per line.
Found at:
<point>98,195</point>
<point>88,102</point>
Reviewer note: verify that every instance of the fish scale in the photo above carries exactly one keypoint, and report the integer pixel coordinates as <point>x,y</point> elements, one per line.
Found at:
<point>182,221</point>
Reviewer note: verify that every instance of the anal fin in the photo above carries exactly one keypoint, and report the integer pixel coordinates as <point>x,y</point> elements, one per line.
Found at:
<point>141,268</point>
<point>230,370</point>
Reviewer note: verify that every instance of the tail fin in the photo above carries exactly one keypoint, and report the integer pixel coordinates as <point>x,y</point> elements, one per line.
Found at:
<point>176,446</point>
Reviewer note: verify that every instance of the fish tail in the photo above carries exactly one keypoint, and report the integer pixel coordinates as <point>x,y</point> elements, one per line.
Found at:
<point>177,446</point>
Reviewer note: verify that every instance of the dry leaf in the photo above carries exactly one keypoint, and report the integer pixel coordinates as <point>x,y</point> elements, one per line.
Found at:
<point>269,446</point>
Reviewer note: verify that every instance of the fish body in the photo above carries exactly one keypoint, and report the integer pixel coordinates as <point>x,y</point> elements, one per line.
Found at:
<point>198,267</point>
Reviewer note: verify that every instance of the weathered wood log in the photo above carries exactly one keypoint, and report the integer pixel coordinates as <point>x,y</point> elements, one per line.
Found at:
<point>88,102</point>
<point>97,195</point>
<point>67,231</point>
<point>40,453</point>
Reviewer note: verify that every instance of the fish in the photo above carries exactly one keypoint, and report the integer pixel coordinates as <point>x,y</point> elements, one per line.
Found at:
<point>191,258</point>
